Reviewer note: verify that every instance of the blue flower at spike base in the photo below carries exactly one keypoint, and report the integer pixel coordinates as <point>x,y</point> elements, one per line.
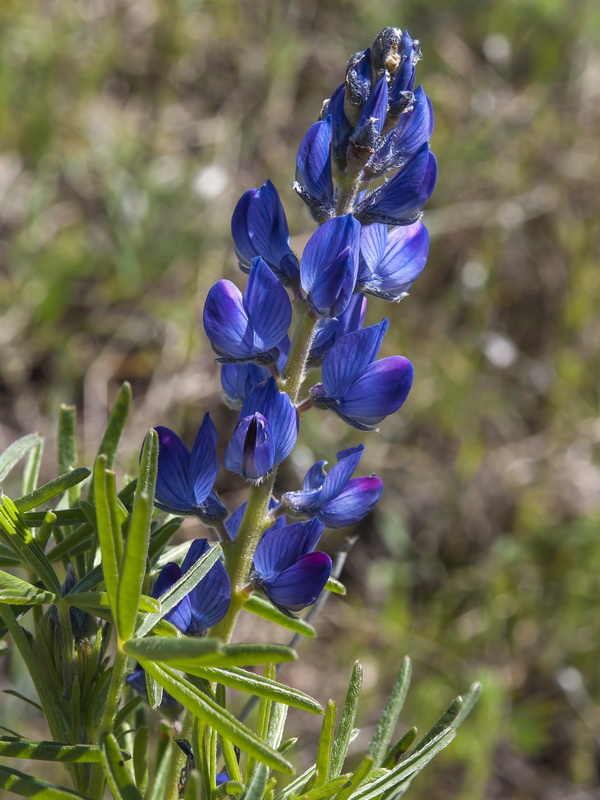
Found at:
<point>185,480</point>
<point>329,265</point>
<point>265,434</point>
<point>249,327</point>
<point>286,567</point>
<point>259,228</point>
<point>391,260</point>
<point>334,497</point>
<point>234,520</point>
<point>200,609</point>
<point>359,389</point>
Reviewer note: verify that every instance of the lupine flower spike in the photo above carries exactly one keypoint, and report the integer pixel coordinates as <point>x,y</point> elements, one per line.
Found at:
<point>185,480</point>
<point>359,389</point>
<point>334,497</point>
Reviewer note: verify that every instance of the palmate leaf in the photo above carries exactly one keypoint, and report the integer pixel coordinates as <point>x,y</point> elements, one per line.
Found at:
<point>236,678</point>
<point>15,452</point>
<point>207,710</point>
<point>27,786</point>
<point>16,747</point>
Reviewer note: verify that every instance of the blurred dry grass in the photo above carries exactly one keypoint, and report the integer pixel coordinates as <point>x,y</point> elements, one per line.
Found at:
<point>129,128</point>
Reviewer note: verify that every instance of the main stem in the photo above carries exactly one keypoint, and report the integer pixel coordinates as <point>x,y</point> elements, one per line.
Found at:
<point>256,520</point>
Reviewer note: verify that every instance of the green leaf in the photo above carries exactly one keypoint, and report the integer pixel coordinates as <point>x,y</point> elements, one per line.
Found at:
<point>116,425</point>
<point>358,777</point>
<point>333,585</point>
<point>93,600</point>
<point>406,770</point>
<point>109,533</point>
<point>46,529</point>
<point>250,655</point>
<point>162,648</point>
<point>180,588</point>
<point>325,744</point>
<point>67,446</point>
<point>229,787</point>
<point>345,727</point>
<point>15,452</point>
<point>138,538</point>
<point>18,592</point>
<point>22,541</point>
<point>154,691</point>
<point>257,783</point>
<point>13,747</point>
<point>117,772</point>
<point>22,697</point>
<point>236,678</point>
<point>387,723</point>
<point>447,720</point>
<point>263,608</point>
<point>329,789</point>
<point>140,757</point>
<point>66,516</point>
<point>26,786</point>
<point>469,700</point>
<point>206,709</point>
<point>396,752</point>
<point>127,709</point>
<point>52,489</point>
<point>89,581</point>
<point>32,468</point>
<point>70,543</point>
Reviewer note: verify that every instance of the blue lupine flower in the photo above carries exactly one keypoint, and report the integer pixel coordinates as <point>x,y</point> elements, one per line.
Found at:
<point>334,497</point>
<point>200,609</point>
<point>185,480</point>
<point>238,380</point>
<point>329,331</point>
<point>340,127</point>
<point>413,130</point>
<point>409,53</point>
<point>248,327</point>
<point>359,389</point>
<point>314,181</point>
<point>329,265</point>
<point>259,228</point>
<point>265,434</point>
<point>358,83</point>
<point>391,260</point>
<point>287,569</point>
<point>400,200</point>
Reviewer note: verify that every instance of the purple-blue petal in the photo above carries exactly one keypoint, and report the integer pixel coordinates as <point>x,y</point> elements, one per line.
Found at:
<point>278,409</point>
<point>349,358</point>
<point>325,245</point>
<point>375,108</point>
<point>331,330</point>
<point>203,464</point>
<point>268,307</point>
<point>251,450</point>
<point>173,490</point>
<point>401,263</point>
<point>234,521</point>
<point>313,163</point>
<point>339,475</point>
<point>400,200</point>
<point>333,287</point>
<point>358,497</point>
<point>301,584</point>
<point>238,380</point>
<point>279,548</point>
<point>226,322</point>
<point>378,392</point>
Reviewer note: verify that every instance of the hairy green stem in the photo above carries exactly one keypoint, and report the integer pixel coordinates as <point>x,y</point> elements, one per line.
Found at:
<point>304,332</point>
<point>115,689</point>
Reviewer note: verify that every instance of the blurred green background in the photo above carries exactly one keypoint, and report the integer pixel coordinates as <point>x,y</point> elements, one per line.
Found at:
<point>128,130</point>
